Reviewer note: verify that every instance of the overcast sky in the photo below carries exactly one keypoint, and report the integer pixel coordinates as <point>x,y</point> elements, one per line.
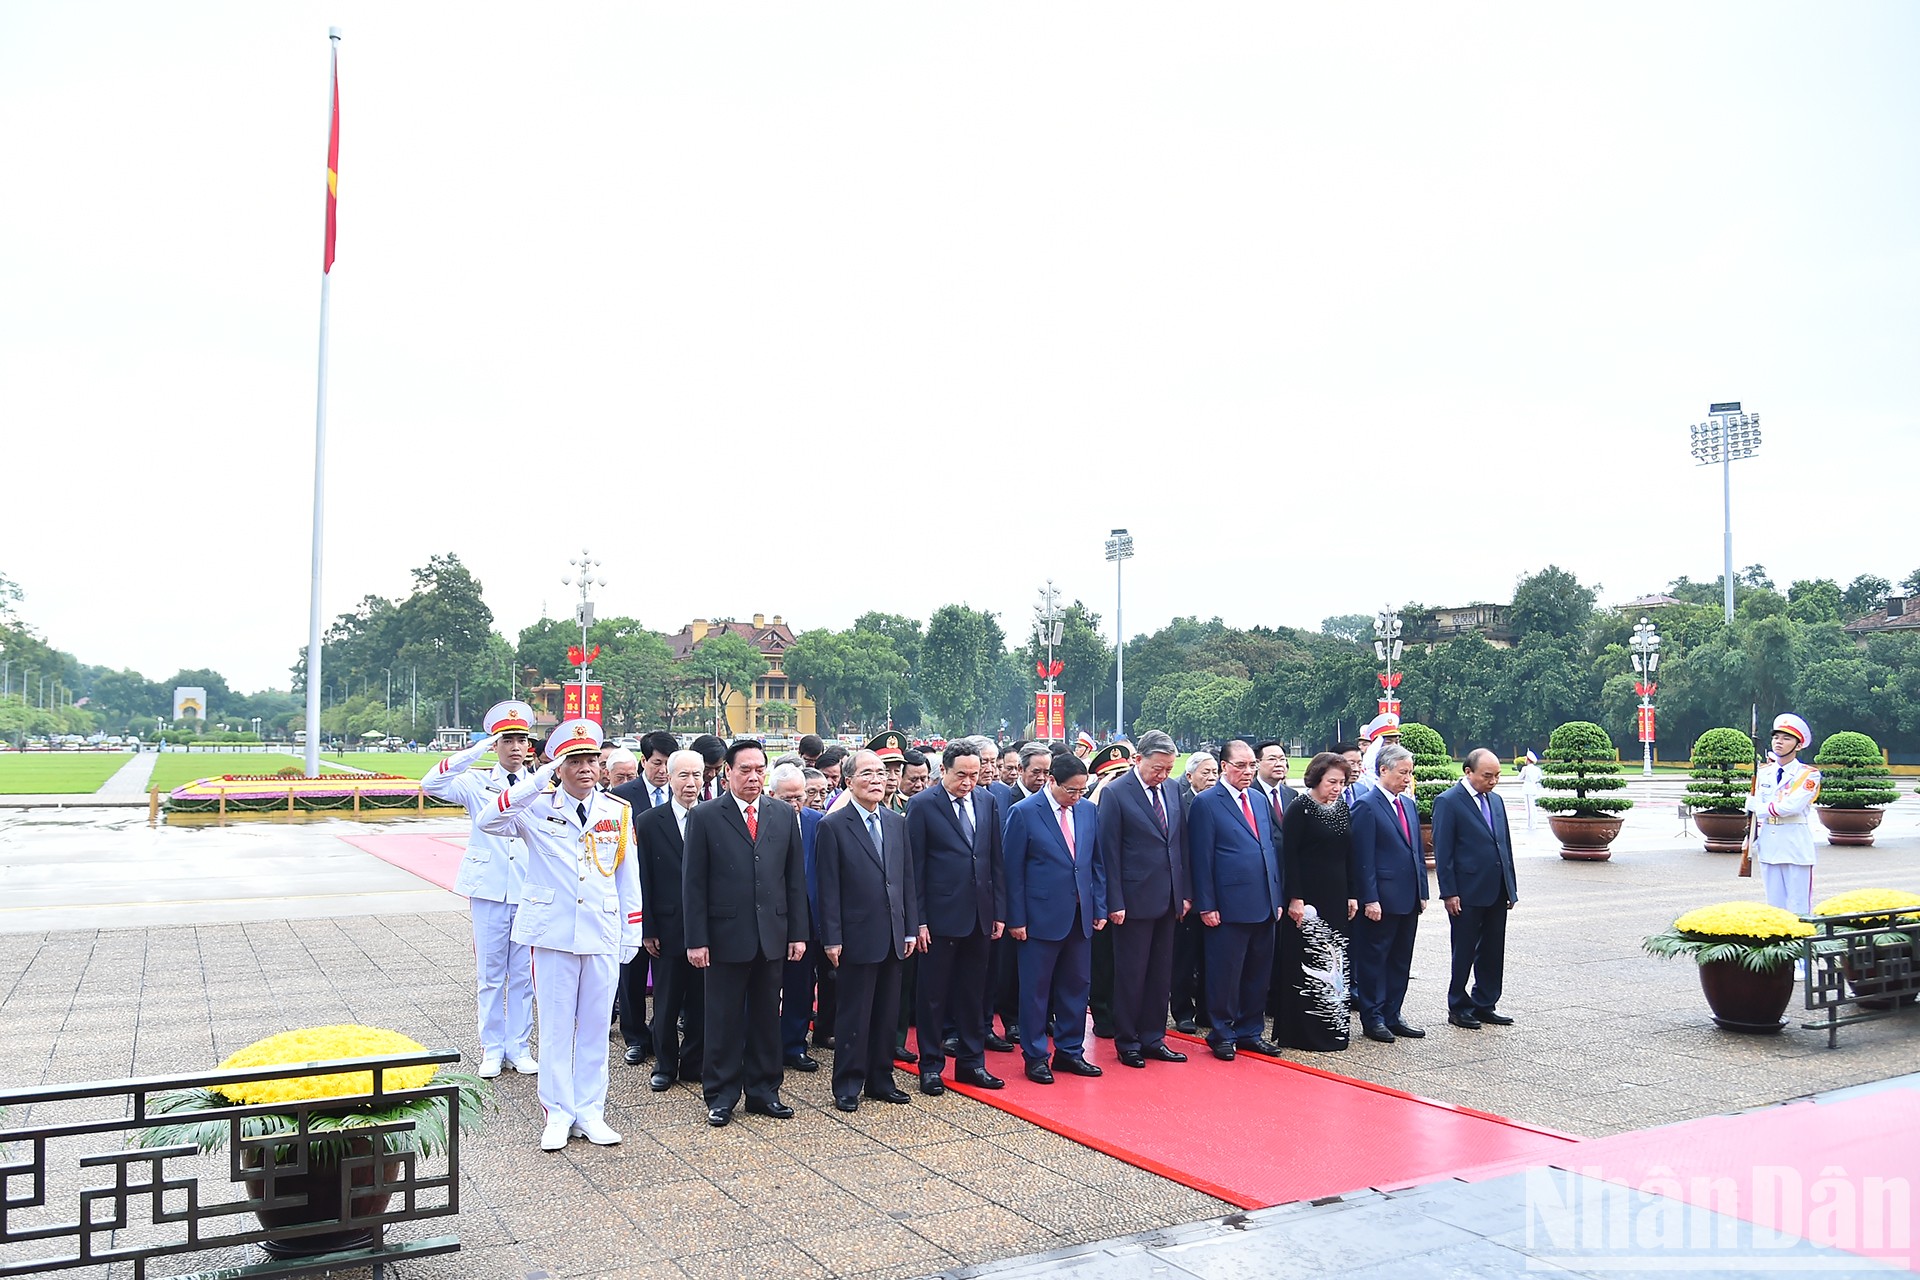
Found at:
<point>814,309</point>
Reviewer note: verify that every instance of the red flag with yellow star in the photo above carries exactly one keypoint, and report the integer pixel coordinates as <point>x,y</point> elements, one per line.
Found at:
<point>333,165</point>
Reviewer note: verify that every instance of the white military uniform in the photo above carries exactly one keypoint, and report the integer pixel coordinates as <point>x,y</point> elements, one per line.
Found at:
<point>1380,730</point>
<point>1530,785</point>
<point>1782,805</point>
<point>580,913</point>
<point>490,877</point>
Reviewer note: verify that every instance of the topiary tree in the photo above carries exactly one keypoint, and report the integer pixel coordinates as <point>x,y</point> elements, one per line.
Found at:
<point>1581,759</point>
<point>1433,769</point>
<point>1853,773</point>
<point>1722,771</point>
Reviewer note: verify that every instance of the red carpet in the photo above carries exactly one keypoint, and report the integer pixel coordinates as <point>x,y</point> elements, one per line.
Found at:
<point>1258,1131</point>
<point>1838,1174</point>
<point>435,859</point>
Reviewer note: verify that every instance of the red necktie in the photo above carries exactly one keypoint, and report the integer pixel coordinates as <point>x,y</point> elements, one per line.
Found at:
<point>1404,829</point>
<point>753,822</point>
<point>1247,809</point>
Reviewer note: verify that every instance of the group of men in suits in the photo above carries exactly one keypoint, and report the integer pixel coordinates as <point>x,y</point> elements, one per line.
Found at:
<point>747,887</point>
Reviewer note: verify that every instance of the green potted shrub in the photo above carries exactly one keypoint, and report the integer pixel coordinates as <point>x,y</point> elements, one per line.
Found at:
<point>1746,952</point>
<point>1433,772</point>
<point>1854,783</point>
<point>1581,761</point>
<point>1722,781</point>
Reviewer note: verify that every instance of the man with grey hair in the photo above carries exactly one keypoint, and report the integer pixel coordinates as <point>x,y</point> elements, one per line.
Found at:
<point>622,766</point>
<point>1143,844</point>
<point>1390,883</point>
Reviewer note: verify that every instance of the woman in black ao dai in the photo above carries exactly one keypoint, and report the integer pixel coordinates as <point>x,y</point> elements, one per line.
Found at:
<point>1312,1005</point>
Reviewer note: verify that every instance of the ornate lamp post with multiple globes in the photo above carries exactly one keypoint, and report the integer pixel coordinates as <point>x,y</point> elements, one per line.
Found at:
<point>1646,660</point>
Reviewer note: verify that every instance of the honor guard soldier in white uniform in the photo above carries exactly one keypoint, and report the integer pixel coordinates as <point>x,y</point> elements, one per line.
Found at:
<point>1380,730</point>
<point>490,878</point>
<point>580,913</point>
<point>1782,806</point>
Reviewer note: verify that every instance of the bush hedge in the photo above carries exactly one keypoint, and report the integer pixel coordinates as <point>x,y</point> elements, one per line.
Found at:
<point>1722,771</point>
<point>1853,773</point>
<point>1581,759</point>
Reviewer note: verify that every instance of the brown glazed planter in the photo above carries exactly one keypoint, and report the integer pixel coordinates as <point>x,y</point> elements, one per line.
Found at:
<point>321,1186</point>
<point>1585,838</point>
<point>1744,1001</point>
<point>1725,829</point>
<point>1849,826</point>
<point>1426,843</point>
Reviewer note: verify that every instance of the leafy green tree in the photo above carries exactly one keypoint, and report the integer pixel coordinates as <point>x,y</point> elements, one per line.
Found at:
<point>849,674</point>
<point>1351,627</point>
<point>1551,602</point>
<point>959,657</point>
<point>543,646</point>
<point>1085,659</point>
<point>1815,600</point>
<point>10,598</point>
<point>729,662</point>
<point>1865,594</point>
<point>638,674</point>
<point>1911,583</point>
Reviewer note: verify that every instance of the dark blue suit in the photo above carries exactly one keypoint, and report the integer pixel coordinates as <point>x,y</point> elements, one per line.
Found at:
<point>1475,864</point>
<point>1388,869</point>
<point>1237,873</point>
<point>963,893</point>
<point>1147,877</point>
<point>1056,897</point>
<point>801,976</point>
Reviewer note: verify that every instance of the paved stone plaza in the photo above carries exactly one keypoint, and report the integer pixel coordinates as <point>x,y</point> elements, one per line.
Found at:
<point>1607,1039</point>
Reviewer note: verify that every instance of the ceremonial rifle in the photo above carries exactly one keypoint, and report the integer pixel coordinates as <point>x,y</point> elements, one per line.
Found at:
<point>1753,789</point>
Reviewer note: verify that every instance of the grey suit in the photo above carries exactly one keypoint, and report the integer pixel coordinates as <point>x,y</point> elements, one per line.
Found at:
<point>868,909</point>
<point>744,900</point>
<point>1146,866</point>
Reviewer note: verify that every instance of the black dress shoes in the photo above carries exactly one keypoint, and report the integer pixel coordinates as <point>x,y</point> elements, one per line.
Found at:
<point>903,1054</point>
<point>1187,1027</point>
<point>776,1109</point>
<point>1222,1051</point>
<point>1074,1066</point>
<point>999,1044</point>
<point>1261,1045</point>
<point>718,1117</point>
<point>950,1046</point>
<point>846,1104</point>
<point>1104,1030</point>
<point>979,1078</point>
<point>1402,1029</point>
<point>1465,1021</point>
<point>892,1093</point>
<point>660,1083</point>
<point>1132,1058</point>
<point>1496,1019</point>
<point>822,1042</point>
<point>1039,1073</point>
<point>634,1055</point>
<point>802,1063</point>
<point>1160,1053</point>
<point>1378,1031</point>
<point>931,1085</point>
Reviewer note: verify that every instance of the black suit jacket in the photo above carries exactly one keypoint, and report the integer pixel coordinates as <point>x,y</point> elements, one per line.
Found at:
<point>656,839</point>
<point>1146,868</point>
<point>867,900</point>
<point>743,898</point>
<point>1471,863</point>
<point>962,888</point>
<point>638,792</point>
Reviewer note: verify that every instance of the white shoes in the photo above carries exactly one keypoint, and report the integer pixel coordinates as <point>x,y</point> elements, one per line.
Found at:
<point>595,1130</point>
<point>525,1063</point>
<point>554,1136</point>
<point>489,1066</point>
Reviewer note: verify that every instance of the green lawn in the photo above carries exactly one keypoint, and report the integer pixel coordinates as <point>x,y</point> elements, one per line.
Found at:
<point>57,773</point>
<point>178,768</point>
<point>408,764</point>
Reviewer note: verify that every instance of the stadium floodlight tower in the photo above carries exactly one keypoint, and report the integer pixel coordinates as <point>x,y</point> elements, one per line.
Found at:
<point>1727,434</point>
<point>1119,551</point>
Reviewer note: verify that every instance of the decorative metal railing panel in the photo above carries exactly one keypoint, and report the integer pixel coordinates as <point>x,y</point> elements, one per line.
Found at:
<point>1861,961</point>
<point>135,1205</point>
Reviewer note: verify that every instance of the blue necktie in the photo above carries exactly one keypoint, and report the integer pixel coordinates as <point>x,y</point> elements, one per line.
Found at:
<point>966,820</point>
<point>873,829</point>
<point>1486,811</point>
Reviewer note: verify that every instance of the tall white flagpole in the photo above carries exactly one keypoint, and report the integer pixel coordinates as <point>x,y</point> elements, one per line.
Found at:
<point>314,676</point>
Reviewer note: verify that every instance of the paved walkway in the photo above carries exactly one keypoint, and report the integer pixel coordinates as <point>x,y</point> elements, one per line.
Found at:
<point>1607,1040</point>
<point>131,778</point>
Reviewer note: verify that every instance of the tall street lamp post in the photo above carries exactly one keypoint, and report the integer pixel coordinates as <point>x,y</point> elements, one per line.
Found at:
<point>1726,435</point>
<point>1387,647</point>
<point>1048,628</point>
<point>1645,643</point>
<point>584,569</point>
<point>1119,551</point>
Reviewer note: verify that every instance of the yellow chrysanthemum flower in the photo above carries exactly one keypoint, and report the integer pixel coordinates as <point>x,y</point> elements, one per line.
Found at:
<point>323,1044</point>
<point>1859,900</point>
<point>1747,920</point>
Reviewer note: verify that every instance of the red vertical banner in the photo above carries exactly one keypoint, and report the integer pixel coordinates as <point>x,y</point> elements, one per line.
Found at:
<point>570,702</point>
<point>1389,706</point>
<point>333,166</point>
<point>1646,724</point>
<point>1049,716</point>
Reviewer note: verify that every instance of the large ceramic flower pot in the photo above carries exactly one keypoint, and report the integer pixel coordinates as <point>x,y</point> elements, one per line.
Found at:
<point>1725,830</point>
<point>1585,838</point>
<point>1426,843</point>
<point>1744,1001</point>
<point>321,1185</point>
<point>1849,826</point>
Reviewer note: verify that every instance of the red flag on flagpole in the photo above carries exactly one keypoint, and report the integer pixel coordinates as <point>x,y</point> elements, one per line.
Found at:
<point>333,165</point>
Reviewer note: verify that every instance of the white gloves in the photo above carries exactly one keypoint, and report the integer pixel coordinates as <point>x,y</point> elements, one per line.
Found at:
<point>627,954</point>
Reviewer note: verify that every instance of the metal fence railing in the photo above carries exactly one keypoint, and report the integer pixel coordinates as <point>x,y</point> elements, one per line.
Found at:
<point>1851,962</point>
<point>134,1205</point>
